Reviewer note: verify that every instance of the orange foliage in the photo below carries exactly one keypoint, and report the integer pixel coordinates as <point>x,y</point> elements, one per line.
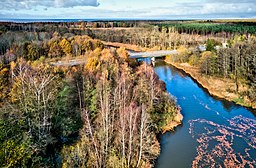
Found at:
<point>122,53</point>
<point>66,46</point>
<point>91,64</point>
<point>106,56</point>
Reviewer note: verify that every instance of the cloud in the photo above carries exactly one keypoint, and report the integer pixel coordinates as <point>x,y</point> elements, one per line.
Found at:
<point>174,9</point>
<point>73,3</point>
<point>231,1</point>
<point>31,4</point>
<point>198,10</point>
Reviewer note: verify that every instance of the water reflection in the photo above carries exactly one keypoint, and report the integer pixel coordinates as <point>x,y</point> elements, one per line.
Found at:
<point>227,105</point>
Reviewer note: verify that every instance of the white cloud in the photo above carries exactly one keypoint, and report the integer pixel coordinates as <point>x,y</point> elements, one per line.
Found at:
<point>231,1</point>
<point>212,9</point>
<point>144,9</point>
<point>31,4</point>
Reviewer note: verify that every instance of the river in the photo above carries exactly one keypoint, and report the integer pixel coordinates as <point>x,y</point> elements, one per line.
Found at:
<point>214,133</point>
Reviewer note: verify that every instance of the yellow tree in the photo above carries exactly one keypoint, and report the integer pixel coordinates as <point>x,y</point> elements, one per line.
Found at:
<point>4,74</point>
<point>183,54</point>
<point>54,49</point>
<point>66,46</point>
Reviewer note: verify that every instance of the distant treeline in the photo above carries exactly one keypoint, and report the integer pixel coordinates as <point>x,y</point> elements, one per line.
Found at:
<point>212,28</point>
<point>57,26</point>
<point>199,27</point>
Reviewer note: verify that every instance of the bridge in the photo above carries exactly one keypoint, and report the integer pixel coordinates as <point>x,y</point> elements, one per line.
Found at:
<point>135,55</point>
<point>151,54</point>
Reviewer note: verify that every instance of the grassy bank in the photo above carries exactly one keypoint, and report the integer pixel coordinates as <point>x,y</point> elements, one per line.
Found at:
<point>220,87</point>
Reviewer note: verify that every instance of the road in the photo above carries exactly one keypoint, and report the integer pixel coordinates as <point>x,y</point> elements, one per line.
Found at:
<point>69,63</point>
<point>150,54</point>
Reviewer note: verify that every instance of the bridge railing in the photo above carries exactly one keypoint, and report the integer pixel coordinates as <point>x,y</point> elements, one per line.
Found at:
<point>152,53</point>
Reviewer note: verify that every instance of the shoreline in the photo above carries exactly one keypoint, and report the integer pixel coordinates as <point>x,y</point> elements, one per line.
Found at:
<point>177,121</point>
<point>219,91</point>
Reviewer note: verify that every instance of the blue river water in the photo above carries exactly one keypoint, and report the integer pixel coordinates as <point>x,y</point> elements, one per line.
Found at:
<point>214,133</point>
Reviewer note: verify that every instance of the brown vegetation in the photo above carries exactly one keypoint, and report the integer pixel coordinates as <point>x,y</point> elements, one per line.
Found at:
<point>223,154</point>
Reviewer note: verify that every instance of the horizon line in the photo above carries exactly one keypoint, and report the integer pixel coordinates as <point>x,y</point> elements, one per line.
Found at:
<point>29,20</point>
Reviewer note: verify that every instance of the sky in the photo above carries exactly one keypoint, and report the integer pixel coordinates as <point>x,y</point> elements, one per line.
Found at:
<point>127,9</point>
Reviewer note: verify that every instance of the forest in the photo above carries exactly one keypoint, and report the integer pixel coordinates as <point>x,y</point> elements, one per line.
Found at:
<point>230,49</point>
<point>108,111</point>
<point>204,28</point>
<point>104,113</point>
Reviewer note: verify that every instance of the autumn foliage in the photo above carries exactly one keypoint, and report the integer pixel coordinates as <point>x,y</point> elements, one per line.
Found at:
<point>105,113</point>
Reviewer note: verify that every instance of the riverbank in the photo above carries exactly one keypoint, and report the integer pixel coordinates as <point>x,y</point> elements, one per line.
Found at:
<point>174,123</point>
<point>220,87</point>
